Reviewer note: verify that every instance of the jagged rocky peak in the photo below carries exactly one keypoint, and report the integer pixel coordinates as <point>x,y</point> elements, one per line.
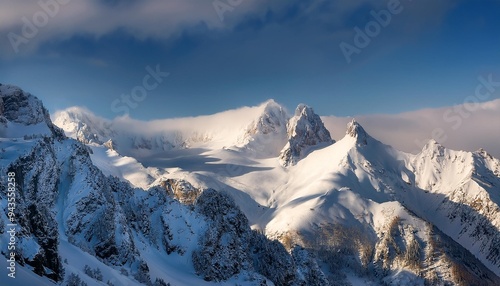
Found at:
<point>483,153</point>
<point>355,130</point>
<point>305,130</point>
<point>20,107</point>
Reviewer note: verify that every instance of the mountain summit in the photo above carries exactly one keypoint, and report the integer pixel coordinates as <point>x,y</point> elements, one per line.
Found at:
<point>266,134</point>
<point>355,130</point>
<point>22,114</point>
<point>305,130</point>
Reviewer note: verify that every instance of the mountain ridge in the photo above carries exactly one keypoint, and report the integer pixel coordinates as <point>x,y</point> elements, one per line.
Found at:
<point>371,173</point>
<point>425,218</point>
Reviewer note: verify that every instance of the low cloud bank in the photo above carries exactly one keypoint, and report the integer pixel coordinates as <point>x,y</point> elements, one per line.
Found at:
<point>462,127</point>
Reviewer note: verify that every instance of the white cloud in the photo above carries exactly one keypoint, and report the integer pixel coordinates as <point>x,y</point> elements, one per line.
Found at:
<point>148,18</point>
<point>159,18</point>
<point>411,130</point>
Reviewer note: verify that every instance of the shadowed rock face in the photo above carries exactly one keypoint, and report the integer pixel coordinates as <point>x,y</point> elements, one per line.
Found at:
<point>19,107</point>
<point>305,130</point>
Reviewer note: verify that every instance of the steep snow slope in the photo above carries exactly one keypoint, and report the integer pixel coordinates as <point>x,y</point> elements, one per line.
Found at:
<point>113,164</point>
<point>463,191</point>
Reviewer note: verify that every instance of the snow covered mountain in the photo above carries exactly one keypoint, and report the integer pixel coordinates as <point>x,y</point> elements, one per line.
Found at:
<point>351,212</point>
<point>75,226</point>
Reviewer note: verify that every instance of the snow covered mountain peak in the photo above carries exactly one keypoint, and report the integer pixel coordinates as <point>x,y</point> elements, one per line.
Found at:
<point>20,107</point>
<point>433,149</point>
<point>272,119</point>
<point>83,125</point>
<point>271,103</point>
<point>355,130</point>
<point>305,130</point>
<point>266,134</point>
<point>303,109</point>
<point>75,113</point>
<point>22,114</point>
<point>433,144</point>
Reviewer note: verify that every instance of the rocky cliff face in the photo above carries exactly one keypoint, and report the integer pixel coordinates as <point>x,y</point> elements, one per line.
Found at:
<point>24,114</point>
<point>36,198</point>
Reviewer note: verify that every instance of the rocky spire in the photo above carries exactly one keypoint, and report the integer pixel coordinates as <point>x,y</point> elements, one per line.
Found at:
<point>355,130</point>
<point>305,130</point>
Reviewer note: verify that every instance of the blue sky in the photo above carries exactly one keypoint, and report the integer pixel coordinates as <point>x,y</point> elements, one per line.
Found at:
<point>91,52</point>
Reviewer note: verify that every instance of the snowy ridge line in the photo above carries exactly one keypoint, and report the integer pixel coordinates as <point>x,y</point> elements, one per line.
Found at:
<point>379,178</point>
